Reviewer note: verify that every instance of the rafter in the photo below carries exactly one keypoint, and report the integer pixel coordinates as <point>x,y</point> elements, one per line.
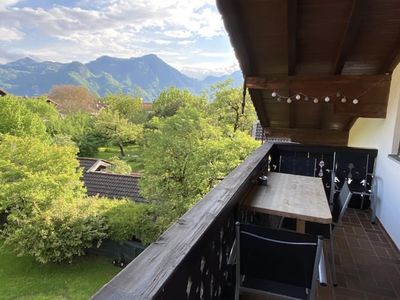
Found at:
<point>292,35</point>
<point>353,24</point>
<point>239,41</point>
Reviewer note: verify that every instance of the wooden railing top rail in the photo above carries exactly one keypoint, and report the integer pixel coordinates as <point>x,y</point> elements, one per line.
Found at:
<point>146,275</point>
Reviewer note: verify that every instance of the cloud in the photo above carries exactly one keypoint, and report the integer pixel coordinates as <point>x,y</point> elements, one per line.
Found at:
<point>123,28</point>
<point>10,34</point>
<point>4,4</point>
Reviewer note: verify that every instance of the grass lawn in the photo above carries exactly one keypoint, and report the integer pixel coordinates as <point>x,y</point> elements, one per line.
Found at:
<point>23,278</point>
<point>132,155</point>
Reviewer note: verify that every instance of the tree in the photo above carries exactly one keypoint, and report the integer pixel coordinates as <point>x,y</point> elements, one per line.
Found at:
<point>227,107</point>
<point>33,172</point>
<point>47,112</point>
<point>117,130</point>
<point>17,119</point>
<point>80,127</point>
<point>72,99</point>
<point>119,166</point>
<point>172,99</point>
<point>127,106</point>
<point>184,156</point>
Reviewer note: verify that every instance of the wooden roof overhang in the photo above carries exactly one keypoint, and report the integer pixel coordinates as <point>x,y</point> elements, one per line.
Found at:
<point>318,48</point>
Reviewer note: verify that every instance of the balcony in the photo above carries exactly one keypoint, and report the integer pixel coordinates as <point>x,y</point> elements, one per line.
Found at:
<point>190,260</point>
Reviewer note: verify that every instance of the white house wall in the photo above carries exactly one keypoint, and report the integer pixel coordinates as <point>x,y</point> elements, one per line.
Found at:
<point>384,135</point>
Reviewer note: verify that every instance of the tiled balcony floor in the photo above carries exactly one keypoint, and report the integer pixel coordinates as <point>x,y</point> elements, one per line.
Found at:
<point>367,262</point>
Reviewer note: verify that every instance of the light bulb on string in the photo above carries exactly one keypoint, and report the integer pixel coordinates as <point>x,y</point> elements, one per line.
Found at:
<point>315,100</point>
<point>306,98</point>
<point>355,101</point>
<point>298,97</point>
<point>273,94</point>
<point>327,99</point>
<point>343,100</point>
<point>279,99</point>
<point>289,100</point>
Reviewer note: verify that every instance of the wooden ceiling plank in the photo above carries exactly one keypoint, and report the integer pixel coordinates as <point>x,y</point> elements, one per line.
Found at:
<point>353,25</point>
<point>292,35</point>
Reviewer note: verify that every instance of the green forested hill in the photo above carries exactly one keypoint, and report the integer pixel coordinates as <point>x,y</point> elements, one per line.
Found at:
<point>146,75</point>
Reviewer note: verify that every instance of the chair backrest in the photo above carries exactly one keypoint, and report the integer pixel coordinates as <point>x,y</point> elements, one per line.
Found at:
<point>278,255</point>
<point>341,203</point>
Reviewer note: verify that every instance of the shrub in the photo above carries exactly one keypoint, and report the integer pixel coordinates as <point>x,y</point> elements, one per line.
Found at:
<point>126,219</point>
<point>57,234</point>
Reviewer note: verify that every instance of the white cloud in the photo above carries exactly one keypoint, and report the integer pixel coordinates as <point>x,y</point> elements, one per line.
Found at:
<point>10,34</point>
<point>172,29</point>
<point>4,4</point>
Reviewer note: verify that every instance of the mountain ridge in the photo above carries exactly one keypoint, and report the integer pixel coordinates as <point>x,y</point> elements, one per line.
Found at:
<point>147,76</point>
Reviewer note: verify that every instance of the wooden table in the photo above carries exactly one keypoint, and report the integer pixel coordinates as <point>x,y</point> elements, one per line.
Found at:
<point>299,197</point>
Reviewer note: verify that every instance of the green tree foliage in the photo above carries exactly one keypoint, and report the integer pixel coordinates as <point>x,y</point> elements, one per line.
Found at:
<point>81,128</point>
<point>186,156</point>
<point>127,219</point>
<point>117,130</point>
<point>46,111</point>
<point>34,172</point>
<point>227,108</point>
<point>17,119</point>
<point>129,107</point>
<point>119,166</point>
<point>172,99</point>
<point>58,233</point>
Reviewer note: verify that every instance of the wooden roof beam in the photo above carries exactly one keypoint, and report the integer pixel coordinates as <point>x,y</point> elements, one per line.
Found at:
<point>353,24</point>
<point>310,136</point>
<point>235,27</point>
<point>292,35</point>
<point>330,84</point>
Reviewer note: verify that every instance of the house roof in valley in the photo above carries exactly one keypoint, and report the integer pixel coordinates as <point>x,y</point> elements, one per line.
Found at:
<point>3,92</point>
<point>108,184</point>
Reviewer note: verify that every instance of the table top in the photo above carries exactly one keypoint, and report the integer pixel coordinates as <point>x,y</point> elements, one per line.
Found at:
<point>292,196</point>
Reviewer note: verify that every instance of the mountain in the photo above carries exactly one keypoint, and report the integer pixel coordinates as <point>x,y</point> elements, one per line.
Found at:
<point>147,75</point>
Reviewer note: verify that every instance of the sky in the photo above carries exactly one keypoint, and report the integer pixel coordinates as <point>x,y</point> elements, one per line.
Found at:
<point>187,34</point>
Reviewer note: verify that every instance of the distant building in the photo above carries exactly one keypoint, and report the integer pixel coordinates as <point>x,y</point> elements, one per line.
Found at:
<point>98,182</point>
<point>2,92</point>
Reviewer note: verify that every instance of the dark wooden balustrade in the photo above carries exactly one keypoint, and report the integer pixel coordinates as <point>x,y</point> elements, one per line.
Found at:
<point>189,260</point>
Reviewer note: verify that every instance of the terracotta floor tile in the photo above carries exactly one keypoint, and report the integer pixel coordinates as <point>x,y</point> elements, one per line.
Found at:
<point>367,261</point>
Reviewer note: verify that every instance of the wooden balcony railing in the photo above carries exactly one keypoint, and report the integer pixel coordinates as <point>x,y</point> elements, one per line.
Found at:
<point>189,260</point>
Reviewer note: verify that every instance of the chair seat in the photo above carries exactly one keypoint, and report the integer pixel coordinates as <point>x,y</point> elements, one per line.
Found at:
<point>274,287</point>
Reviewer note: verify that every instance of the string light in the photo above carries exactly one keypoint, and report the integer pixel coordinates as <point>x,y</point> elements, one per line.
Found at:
<point>299,96</point>
<point>327,98</point>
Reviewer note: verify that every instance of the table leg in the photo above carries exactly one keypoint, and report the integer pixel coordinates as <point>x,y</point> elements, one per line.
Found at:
<point>300,226</point>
